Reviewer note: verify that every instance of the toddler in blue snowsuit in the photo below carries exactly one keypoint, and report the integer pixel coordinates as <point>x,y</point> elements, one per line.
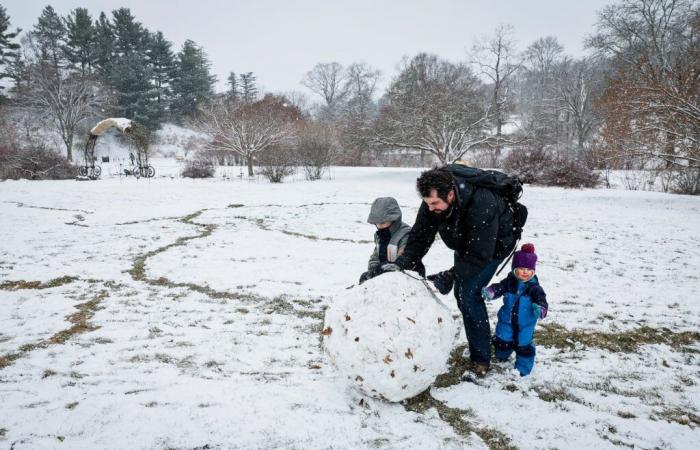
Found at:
<point>524,302</point>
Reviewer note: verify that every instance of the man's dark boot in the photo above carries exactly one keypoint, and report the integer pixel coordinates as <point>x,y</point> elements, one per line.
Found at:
<point>476,369</point>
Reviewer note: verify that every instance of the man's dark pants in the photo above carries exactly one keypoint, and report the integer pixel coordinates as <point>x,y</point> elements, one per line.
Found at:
<point>471,304</point>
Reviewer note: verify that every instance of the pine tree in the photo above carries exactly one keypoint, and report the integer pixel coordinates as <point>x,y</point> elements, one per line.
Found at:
<point>18,71</point>
<point>162,62</point>
<point>104,46</point>
<point>80,48</point>
<point>233,90</point>
<point>50,35</point>
<point>248,88</point>
<point>8,53</point>
<point>131,75</point>
<point>193,84</point>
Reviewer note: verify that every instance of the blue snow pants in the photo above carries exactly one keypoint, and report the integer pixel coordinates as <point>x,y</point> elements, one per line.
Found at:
<point>514,331</point>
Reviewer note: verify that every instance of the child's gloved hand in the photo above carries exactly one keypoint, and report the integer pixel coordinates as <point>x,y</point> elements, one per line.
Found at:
<point>488,293</point>
<point>371,273</point>
<point>391,267</point>
<point>539,311</point>
<point>443,281</point>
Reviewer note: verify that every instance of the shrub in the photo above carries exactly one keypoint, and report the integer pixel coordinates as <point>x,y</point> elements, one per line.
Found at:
<point>316,150</point>
<point>34,163</point>
<point>571,173</point>
<point>539,166</point>
<point>527,164</point>
<point>199,168</point>
<point>687,181</point>
<point>276,163</point>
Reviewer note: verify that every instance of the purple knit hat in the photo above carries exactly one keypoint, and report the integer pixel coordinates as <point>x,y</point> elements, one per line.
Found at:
<point>525,257</point>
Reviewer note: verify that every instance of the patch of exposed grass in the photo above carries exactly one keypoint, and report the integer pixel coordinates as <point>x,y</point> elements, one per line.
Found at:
<point>457,364</point>
<point>3,432</point>
<point>79,324</point>
<point>555,335</point>
<point>48,373</point>
<point>9,358</point>
<point>260,223</point>
<point>606,387</point>
<point>154,219</point>
<point>317,238</point>
<point>138,268</point>
<point>23,284</point>
<point>80,319</point>
<point>680,416</point>
<point>626,415</point>
<point>23,205</point>
<point>556,394</point>
<point>281,304</point>
<point>461,421</point>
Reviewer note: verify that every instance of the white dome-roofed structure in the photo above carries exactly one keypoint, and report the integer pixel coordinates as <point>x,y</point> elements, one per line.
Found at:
<point>391,336</point>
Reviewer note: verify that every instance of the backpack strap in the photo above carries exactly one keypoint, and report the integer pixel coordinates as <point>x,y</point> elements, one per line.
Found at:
<point>512,252</point>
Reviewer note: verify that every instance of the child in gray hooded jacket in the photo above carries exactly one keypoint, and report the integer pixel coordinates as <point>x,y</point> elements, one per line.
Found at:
<point>390,238</point>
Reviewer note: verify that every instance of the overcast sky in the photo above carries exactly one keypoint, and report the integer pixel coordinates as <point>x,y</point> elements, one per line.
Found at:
<point>280,40</point>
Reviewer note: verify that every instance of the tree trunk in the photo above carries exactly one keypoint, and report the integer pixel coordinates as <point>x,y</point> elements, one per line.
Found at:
<point>250,166</point>
<point>497,152</point>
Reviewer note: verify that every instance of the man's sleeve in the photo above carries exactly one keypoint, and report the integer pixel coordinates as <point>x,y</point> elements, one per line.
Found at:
<point>480,228</point>
<point>420,238</point>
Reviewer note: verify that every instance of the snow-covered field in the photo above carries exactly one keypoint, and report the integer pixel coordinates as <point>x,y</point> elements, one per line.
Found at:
<point>176,313</point>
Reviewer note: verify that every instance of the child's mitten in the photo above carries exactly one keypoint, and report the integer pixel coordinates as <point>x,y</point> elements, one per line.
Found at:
<point>539,311</point>
<point>488,293</point>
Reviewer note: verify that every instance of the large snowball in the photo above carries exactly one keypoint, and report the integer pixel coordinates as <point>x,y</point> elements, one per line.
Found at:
<point>390,336</point>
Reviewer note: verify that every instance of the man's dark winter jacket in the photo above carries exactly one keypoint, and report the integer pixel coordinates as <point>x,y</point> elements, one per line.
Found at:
<point>478,227</point>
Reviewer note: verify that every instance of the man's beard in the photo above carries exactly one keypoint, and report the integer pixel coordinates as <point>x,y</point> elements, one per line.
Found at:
<point>444,213</point>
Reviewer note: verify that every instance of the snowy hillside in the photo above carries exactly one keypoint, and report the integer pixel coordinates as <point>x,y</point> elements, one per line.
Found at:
<point>169,141</point>
<point>177,313</point>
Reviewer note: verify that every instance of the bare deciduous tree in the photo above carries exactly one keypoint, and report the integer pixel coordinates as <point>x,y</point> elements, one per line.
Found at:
<point>537,105</point>
<point>66,98</point>
<point>329,80</point>
<point>316,148</point>
<point>578,85</point>
<point>495,58</point>
<point>433,106</point>
<point>359,110</point>
<point>249,129</point>
<point>651,107</point>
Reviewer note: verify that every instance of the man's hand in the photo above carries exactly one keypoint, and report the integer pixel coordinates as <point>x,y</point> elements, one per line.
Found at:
<point>391,267</point>
<point>443,281</point>
<point>488,293</point>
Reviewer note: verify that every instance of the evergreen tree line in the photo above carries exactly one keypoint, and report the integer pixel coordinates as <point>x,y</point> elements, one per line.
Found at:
<point>630,103</point>
<point>149,81</point>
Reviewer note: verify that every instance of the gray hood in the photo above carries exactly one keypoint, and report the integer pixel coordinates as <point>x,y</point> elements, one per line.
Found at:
<point>384,209</point>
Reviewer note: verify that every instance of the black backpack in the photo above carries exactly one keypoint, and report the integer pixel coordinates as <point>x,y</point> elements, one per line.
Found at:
<point>510,189</point>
